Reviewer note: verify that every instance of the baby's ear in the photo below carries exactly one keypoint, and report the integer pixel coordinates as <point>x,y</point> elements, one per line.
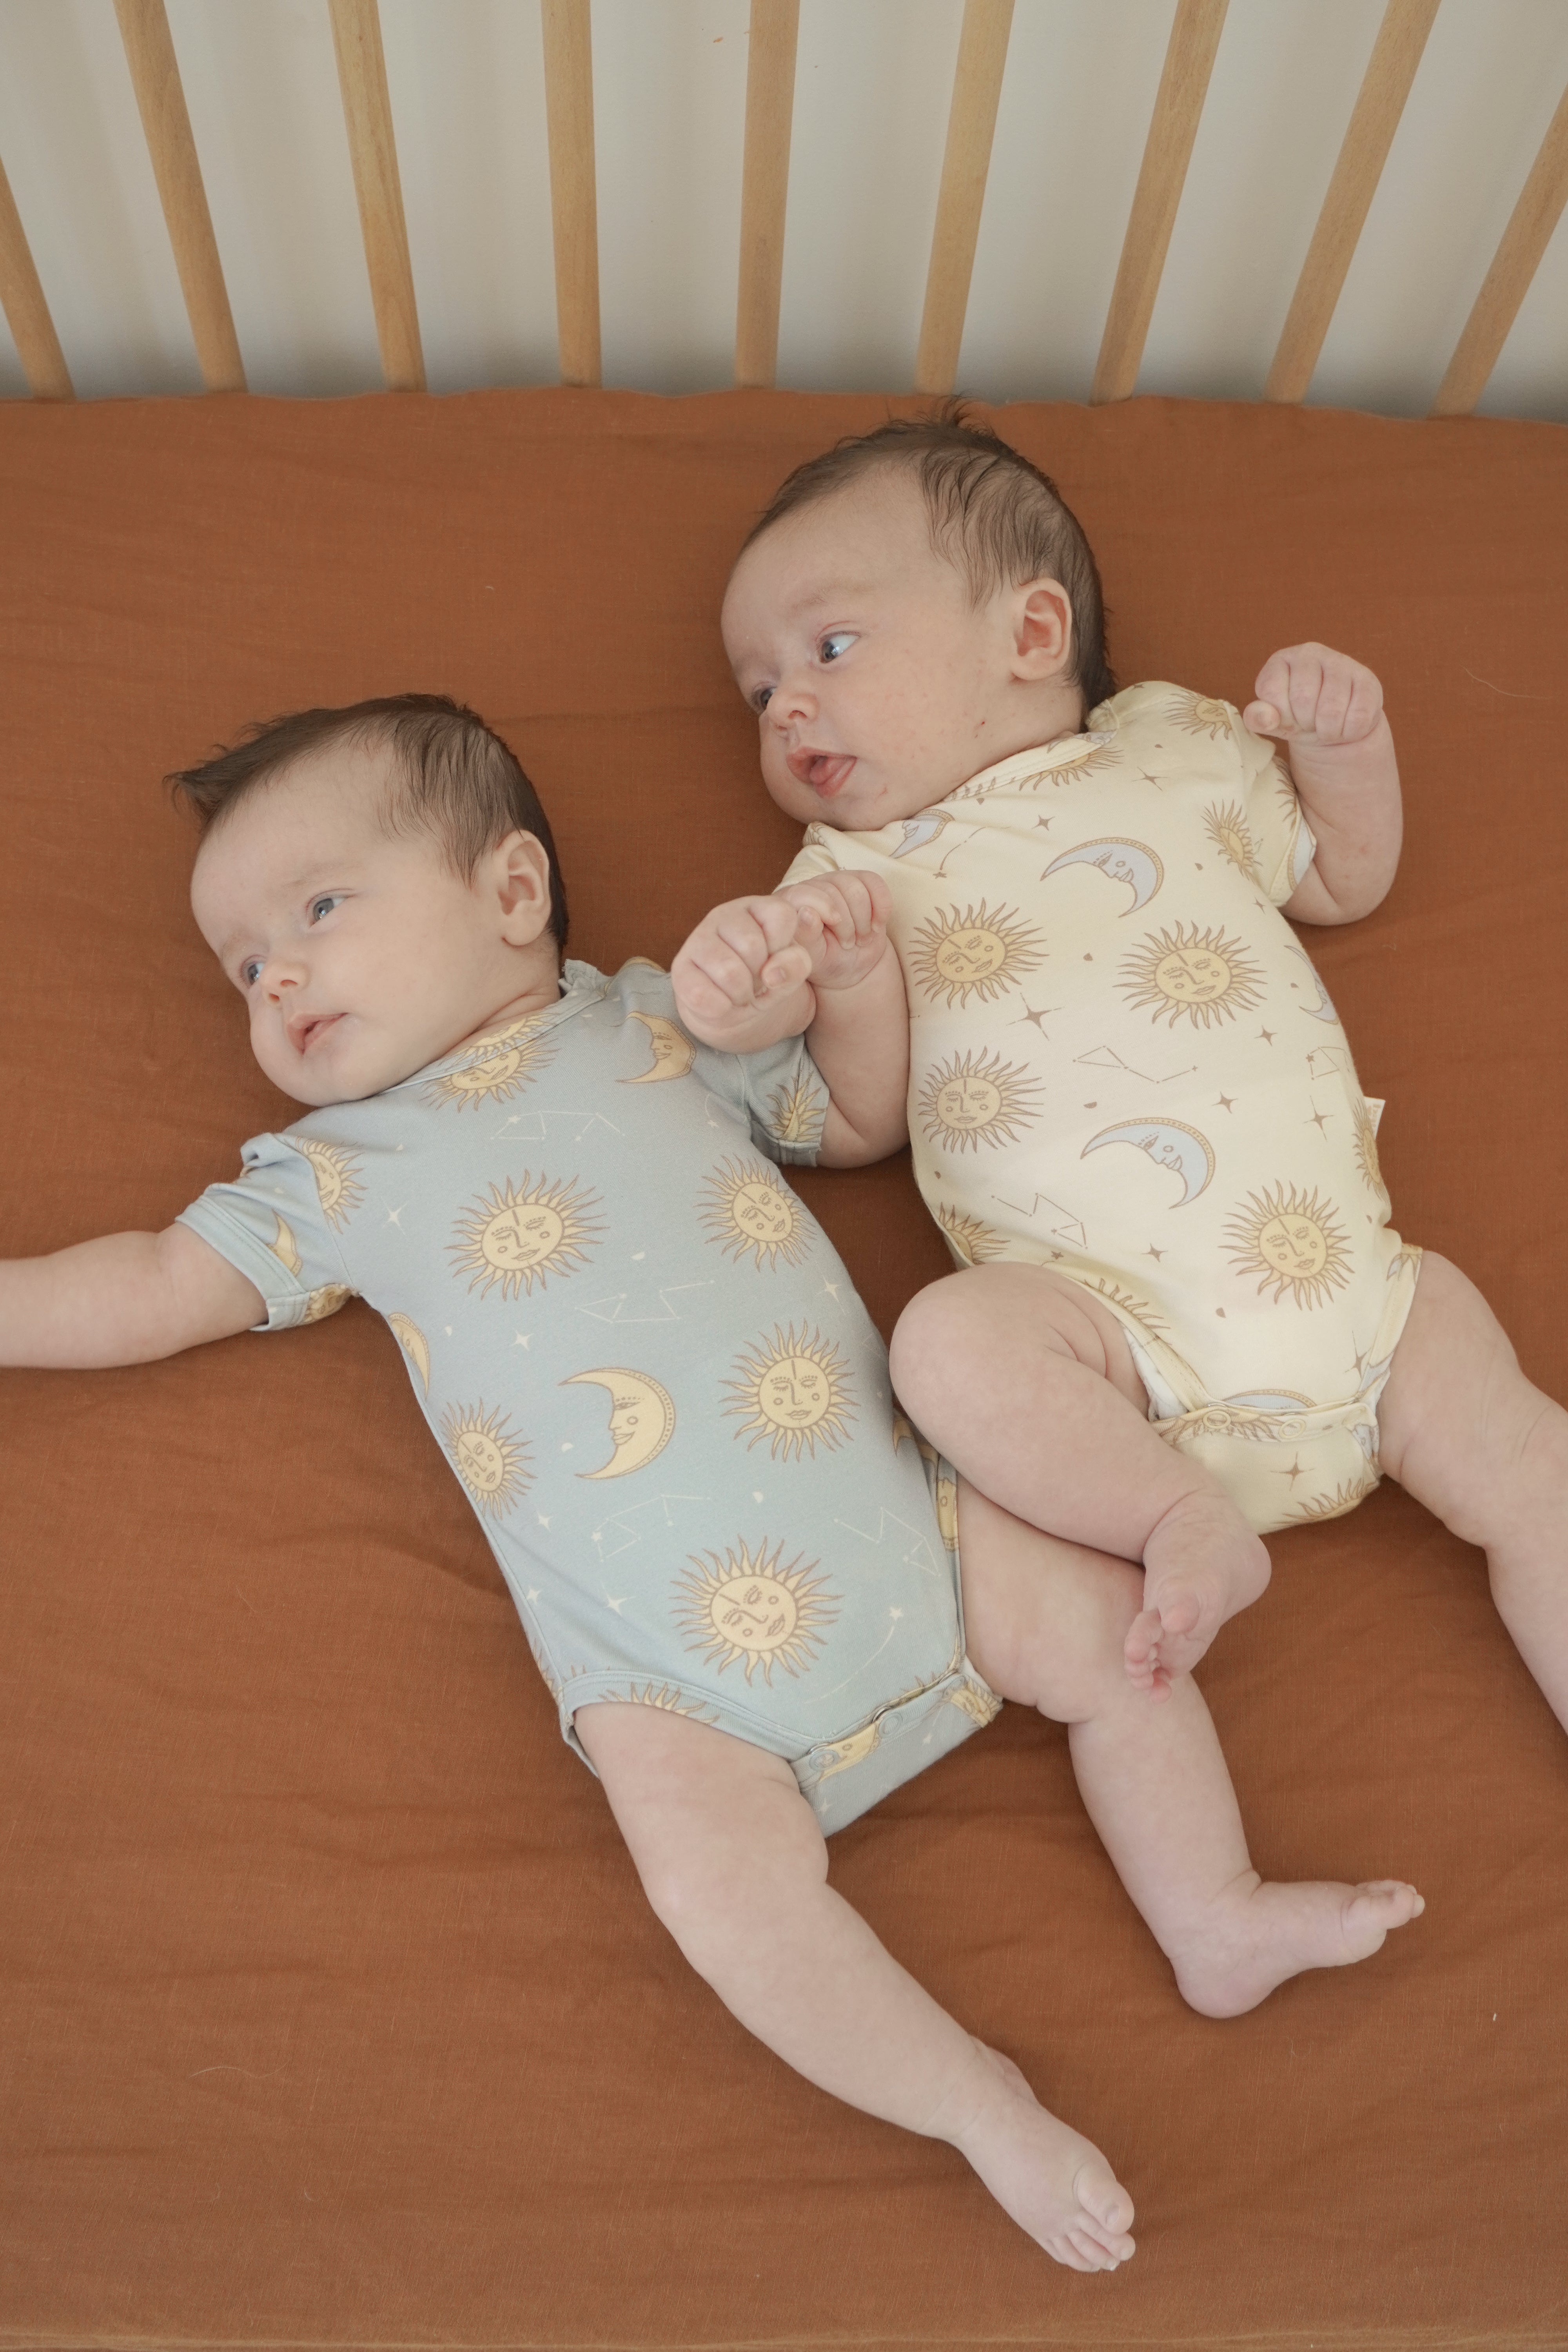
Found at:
<point>1042,631</point>
<point>519,873</point>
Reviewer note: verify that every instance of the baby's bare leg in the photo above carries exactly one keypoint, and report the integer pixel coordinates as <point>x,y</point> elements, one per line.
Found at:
<point>1026,1383</point>
<point>1046,1622</point>
<point>734,1864</point>
<point>1464,1432</point>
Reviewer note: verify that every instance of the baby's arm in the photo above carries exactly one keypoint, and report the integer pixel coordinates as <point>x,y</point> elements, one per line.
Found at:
<point>815,957</point>
<point>125,1298</point>
<point>1328,712</point>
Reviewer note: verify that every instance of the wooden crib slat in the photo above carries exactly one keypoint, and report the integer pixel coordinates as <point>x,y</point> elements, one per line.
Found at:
<point>166,123</point>
<point>573,201</point>
<point>1178,104</point>
<point>27,312</point>
<point>372,150</point>
<point>965,164</point>
<point>1514,264</point>
<point>1385,86</point>
<point>764,187</point>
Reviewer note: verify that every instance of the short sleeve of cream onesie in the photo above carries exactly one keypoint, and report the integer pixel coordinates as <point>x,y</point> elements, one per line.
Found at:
<point>648,1369</point>
<point>1124,1066</point>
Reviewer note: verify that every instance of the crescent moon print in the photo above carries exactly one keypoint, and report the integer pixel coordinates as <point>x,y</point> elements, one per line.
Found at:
<point>1205,975</point>
<point>642,1418</point>
<point>413,1344</point>
<point>980,952</point>
<point>1323,1010</point>
<point>919,830</point>
<point>673,1051</point>
<point>1366,1157</point>
<point>1133,862</point>
<point>286,1247</point>
<point>326,1301</point>
<point>1169,1144</point>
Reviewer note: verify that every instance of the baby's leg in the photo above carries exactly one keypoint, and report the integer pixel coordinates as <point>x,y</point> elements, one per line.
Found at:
<point>1464,1432</point>
<point>1045,1622</point>
<point>1026,1383</point>
<point>733,1863</point>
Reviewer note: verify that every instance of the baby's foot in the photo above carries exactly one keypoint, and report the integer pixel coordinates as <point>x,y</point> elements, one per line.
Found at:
<point>1201,1564</point>
<point>1054,2183</point>
<point>1259,1933</point>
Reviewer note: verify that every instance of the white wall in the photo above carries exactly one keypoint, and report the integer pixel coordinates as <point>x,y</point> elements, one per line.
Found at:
<point>872,91</point>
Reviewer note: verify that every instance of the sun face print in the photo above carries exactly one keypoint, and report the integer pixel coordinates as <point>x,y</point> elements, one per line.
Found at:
<point>489,1458</point>
<point>981,1705</point>
<point>974,1098</point>
<point>496,1068</point>
<point>413,1344</point>
<point>326,1301</point>
<point>982,952</point>
<point>1096,754</point>
<point>748,1210</point>
<point>1292,1240</point>
<point>794,1391</point>
<point>513,1238</point>
<point>796,1114</point>
<point>1200,714</point>
<point>663,1695</point>
<point>1227,827</point>
<point>737,1609</point>
<point>1345,1497</point>
<point>1366,1157</point>
<point>1137,1310</point>
<point>1204,975</point>
<point>971,1242</point>
<point>336,1172</point>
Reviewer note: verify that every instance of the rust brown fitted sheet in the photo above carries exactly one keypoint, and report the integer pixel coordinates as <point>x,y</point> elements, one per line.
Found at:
<point>330,2013</point>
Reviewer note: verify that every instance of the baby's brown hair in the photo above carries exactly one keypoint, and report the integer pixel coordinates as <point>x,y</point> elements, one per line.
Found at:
<point>454,777</point>
<point>994,516</point>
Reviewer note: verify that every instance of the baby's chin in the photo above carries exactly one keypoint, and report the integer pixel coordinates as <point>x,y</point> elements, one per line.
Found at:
<point>342,1072</point>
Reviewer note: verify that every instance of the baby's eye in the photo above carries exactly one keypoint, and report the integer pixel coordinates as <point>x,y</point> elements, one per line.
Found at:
<point>327,900</point>
<point>833,646</point>
<point>249,971</point>
<point>763,696</point>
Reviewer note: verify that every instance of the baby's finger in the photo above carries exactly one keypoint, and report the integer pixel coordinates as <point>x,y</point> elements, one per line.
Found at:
<point>1262,719</point>
<point>785,970</point>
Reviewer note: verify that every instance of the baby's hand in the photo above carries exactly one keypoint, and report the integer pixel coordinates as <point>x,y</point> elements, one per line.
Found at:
<point>1310,694</point>
<point>748,973</point>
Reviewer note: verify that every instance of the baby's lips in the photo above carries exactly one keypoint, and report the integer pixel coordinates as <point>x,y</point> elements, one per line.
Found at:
<point>825,772</point>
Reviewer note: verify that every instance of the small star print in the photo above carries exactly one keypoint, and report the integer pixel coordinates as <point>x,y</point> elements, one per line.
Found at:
<point>1155,1253</point>
<point>1268,1036</point>
<point>1319,1120</point>
<point>1224,1102</point>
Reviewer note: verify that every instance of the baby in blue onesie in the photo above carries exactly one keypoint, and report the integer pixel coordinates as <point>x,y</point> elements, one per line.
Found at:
<point>737,1565</point>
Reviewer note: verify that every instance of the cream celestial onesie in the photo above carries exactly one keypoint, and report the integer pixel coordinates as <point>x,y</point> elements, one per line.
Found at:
<point>1123,1066</point>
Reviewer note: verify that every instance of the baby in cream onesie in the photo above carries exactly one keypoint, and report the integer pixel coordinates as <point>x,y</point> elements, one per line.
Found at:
<point>1183,1319</point>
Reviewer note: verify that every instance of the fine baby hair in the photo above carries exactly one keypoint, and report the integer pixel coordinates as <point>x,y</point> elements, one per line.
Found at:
<point>453,777</point>
<point>996,517</point>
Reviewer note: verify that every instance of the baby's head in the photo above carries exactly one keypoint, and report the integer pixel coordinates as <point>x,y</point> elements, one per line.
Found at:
<point>915,605</point>
<point>379,883</point>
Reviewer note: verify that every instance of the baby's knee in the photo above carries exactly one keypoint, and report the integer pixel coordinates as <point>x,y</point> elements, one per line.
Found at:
<point>717,1894</point>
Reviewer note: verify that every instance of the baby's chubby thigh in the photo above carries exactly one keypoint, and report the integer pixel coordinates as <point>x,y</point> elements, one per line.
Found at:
<point>718,1829</point>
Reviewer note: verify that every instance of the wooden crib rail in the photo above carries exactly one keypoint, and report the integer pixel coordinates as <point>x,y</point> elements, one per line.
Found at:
<point>985,41</point>
<point>160,101</point>
<point>372,149</point>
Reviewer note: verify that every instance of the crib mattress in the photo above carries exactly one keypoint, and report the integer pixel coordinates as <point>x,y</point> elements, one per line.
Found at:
<point>331,2013</point>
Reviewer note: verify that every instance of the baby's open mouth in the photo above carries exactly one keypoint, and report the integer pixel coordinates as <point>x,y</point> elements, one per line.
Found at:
<point>826,771</point>
<point>307,1028</point>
